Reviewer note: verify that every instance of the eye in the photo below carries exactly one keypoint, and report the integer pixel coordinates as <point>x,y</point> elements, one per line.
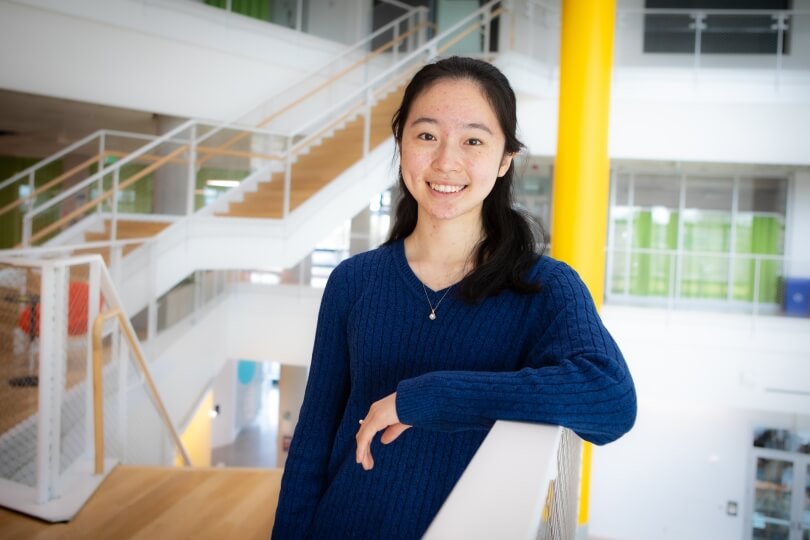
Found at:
<point>426,137</point>
<point>475,142</point>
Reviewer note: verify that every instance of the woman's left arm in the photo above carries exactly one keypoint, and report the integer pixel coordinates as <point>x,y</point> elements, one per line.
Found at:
<point>575,376</point>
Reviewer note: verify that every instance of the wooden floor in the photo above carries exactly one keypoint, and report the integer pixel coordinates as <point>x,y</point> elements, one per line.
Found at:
<point>155,503</point>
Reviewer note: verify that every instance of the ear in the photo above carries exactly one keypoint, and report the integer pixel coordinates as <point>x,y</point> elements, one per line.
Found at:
<point>505,163</point>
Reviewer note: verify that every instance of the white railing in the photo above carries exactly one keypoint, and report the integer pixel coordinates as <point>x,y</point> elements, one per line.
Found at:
<point>56,448</point>
<point>521,484</point>
<point>182,150</point>
<point>699,54</point>
<point>752,283</point>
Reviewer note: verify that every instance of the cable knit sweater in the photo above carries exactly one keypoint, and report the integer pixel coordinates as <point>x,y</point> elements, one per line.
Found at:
<point>543,357</point>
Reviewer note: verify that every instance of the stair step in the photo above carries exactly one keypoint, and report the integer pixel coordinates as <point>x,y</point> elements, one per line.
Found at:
<point>320,164</point>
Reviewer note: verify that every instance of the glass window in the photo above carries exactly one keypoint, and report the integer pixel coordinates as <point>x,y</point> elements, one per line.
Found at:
<point>698,236</point>
<point>737,33</point>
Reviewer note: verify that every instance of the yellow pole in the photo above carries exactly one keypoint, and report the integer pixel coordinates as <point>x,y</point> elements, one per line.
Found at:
<point>581,172</point>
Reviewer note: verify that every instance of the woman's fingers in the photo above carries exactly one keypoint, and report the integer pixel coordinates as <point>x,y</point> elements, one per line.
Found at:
<point>381,416</point>
<point>392,432</point>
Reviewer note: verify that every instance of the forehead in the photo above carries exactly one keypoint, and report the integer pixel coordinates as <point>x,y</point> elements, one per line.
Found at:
<point>454,102</point>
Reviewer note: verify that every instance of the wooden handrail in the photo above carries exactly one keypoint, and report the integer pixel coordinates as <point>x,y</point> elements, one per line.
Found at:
<point>234,153</point>
<point>98,395</point>
<point>107,194</point>
<point>145,157</point>
<point>58,180</point>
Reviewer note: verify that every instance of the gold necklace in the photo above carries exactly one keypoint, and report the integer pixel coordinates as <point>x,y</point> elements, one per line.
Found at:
<point>432,315</point>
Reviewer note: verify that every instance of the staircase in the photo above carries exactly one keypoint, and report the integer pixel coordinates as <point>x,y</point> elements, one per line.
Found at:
<point>320,164</point>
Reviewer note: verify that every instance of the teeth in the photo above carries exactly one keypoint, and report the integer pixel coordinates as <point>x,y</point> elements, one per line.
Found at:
<point>446,189</point>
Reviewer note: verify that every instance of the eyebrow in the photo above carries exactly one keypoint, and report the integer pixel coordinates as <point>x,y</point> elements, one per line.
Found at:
<point>473,125</point>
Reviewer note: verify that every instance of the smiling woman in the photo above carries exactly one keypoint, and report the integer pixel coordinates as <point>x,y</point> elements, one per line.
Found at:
<point>455,323</point>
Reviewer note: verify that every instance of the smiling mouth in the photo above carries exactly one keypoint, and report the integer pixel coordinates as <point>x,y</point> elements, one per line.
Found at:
<point>445,188</point>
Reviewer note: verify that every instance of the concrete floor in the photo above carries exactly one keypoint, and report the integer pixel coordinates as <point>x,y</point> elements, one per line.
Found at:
<point>256,444</point>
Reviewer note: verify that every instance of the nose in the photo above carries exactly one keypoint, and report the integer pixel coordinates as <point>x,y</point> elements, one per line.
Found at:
<point>446,158</point>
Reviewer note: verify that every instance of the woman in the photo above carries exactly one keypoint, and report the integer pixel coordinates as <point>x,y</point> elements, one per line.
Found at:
<point>454,323</point>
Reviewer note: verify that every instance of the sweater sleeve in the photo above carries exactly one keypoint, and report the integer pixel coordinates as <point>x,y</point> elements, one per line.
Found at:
<point>574,376</point>
<point>305,472</point>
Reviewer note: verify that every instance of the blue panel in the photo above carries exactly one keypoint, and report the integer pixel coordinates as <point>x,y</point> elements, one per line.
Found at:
<point>797,296</point>
<point>246,371</point>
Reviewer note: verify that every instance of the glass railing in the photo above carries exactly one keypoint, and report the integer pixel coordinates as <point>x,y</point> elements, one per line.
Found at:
<point>753,283</point>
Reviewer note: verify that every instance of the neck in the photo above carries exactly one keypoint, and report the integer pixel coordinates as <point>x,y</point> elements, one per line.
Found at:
<point>445,241</point>
<point>441,251</point>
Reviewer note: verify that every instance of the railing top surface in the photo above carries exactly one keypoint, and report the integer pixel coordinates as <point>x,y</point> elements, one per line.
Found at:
<point>502,491</point>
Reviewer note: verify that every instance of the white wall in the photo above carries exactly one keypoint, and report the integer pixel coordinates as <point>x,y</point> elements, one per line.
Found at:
<point>189,356</point>
<point>275,324</point>
<point>166,56</point>
<point>704,381</point>
<point>223,428</point>
<point>725,123</point>
<point>344,21</point>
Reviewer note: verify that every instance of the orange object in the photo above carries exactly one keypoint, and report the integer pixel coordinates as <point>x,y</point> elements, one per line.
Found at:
<point>78,293</point>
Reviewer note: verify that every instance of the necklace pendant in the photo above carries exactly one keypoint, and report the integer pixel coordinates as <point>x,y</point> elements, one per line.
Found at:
<point>432,316</point>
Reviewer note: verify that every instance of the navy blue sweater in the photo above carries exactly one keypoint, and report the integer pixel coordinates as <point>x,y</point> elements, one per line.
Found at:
<point>543,357</point>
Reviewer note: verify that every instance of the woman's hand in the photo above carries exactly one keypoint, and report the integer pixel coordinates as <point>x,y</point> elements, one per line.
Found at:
<point>381,415</point>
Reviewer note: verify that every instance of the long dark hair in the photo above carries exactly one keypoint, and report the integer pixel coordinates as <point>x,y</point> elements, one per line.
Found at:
<point>507,249</point>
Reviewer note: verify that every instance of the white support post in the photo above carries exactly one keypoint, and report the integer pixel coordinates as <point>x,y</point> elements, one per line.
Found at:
<point>102,149</point>
<point>367,123</point>
<point>116,257</point>
<point>628,253</point>
<point>114,209</point>
<point>487,16</point>
<point>152,307</point>
<point>93,302</point>
<point>396,43</point>
<point>757,262</point>
<point>192,171</point>
<point>53,326</point>
<point>732,259</point>
<point>780,26</point>
<point>699,26</point>
<point>299,16</point>
<point>121,359</point>
<point>531,22</point>
<point>26,230</point>
<point>287,178</point>
<point>681,233</point>
<point>611,243</point>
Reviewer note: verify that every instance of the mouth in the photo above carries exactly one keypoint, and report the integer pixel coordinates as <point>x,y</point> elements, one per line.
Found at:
<point>446,188</point>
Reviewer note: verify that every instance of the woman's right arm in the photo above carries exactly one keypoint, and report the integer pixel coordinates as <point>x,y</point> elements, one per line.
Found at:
<point>305,471</point>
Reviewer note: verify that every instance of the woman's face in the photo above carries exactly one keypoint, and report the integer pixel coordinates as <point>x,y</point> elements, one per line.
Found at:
<point>452,150</point>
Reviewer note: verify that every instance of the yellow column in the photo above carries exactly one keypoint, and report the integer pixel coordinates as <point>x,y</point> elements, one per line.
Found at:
<point>581,172</point>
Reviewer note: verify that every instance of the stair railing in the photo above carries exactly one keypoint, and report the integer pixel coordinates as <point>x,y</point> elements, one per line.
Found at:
<point>50,457</point>
<point>93,150</point>
<point>262,149</point>
<point>182,146</point>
